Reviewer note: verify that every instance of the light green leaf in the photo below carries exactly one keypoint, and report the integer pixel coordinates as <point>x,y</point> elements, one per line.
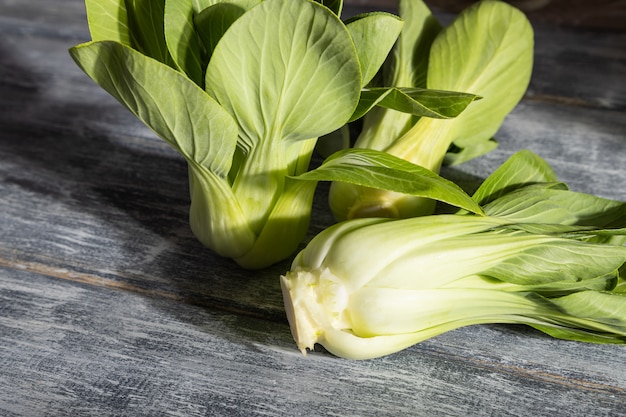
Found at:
<point>541,204</point>
<point>147,28</point>
<point>375,169</point>
<point>285,71</point>
<point>408,63</point>
<point>165,100</point>
<point>521,169</point>
<point>374,34</point>
<point>213,22</point>
<point>192,122</point>
<point>416,101</point>
<point>542,262</point>
<point>487,51</point>
<point>108,20</point>
<point>182,40</point>
<point>588,316</point>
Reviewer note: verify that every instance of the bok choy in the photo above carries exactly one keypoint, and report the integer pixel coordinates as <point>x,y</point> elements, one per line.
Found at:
<point>370,287</point>
<point>241,89</point>
<point>487,51</point>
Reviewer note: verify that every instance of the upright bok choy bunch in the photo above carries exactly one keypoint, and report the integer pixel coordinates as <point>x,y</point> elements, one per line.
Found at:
<point>241,89</point>
<point>487,51</point>
<point>542,256</point>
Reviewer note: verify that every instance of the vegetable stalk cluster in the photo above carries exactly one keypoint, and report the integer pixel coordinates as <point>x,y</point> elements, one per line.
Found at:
<point>542,256</point>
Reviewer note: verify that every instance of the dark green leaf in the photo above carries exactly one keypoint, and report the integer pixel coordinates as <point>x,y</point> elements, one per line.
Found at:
<point>521,169</point>
<point>416,101</point>
<point>182,40</point>
<point>213,22</point>
<point>375,169</point>
<point>147,28</point>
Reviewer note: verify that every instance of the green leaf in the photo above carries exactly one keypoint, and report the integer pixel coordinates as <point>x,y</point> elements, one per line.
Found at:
<point>540,204</point>
<point>147,28</point>
<point>108,20</point>
<point>374,34</point>
<point>182,40</point>
<point>375,169</point>
<point>165,100</point>
<point>487,51</point>
<point>285,71</point>
<point>199,5</point>
<point>588,316</point>
<point>542,262</point>
<point>416,101</point>
<point>408,63</point>
<point>192,122</point>
<point>521,169</point>
<point>213,22</point>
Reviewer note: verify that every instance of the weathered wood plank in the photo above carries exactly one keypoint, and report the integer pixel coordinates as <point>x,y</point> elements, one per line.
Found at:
<point>579,67</point>
<point>70,349</point>
<point>109,306</point>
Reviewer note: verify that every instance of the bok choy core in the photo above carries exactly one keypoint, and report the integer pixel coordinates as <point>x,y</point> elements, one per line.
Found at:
<point>241,89</point>
<point>488,51</point>
<point>370,287</point>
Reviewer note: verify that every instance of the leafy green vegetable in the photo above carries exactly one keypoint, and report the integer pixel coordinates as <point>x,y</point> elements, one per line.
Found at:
<point>242,90</point>
<point>522,169</point>
<point>487,51</point>
<point>182,42</point>
<point>369,168</point>
<point>542,256</point>
<point>108,20</point>
<point>414,101</point>
<point>525,189</point>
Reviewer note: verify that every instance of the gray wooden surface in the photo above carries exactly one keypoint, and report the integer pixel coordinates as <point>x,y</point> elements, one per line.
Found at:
<point>109,306</point>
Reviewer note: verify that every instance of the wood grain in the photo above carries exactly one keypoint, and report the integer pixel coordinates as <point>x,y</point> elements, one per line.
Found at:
<point>109,306</point>
<point>89,350</point>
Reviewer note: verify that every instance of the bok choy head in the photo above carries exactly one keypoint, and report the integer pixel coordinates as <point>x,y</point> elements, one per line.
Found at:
<point>543,256</point>
<point>241,89</point>
<point>371,287</point>
<point>486,51</point>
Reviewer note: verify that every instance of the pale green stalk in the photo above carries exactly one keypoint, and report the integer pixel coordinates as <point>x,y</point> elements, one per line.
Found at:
<point>370,287</point>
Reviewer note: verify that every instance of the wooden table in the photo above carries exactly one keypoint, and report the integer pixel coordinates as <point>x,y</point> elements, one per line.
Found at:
<point>110,307</point>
